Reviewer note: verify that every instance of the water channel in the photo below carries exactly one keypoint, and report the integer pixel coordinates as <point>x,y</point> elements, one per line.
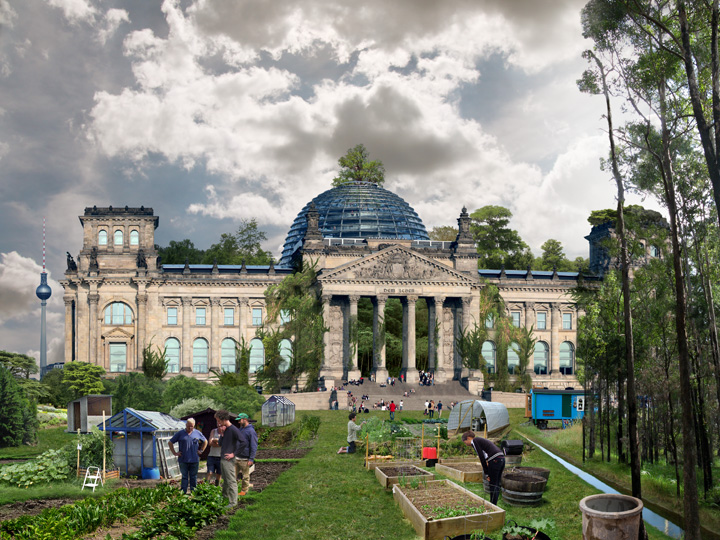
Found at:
<point>650,517</point>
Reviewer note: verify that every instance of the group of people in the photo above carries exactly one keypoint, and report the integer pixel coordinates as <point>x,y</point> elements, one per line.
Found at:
<point>431,407</point>
<point>426,378</point>
<point>232,454</point>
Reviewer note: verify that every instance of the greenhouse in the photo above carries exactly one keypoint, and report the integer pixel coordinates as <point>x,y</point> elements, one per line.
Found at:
<point>476,415</point>
<point>278,411</point>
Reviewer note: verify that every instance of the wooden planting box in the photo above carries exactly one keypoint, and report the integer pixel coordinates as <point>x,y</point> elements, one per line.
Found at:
<point>371,464</point>
<point>418,503</point>
<point>468,459</point>
<point>388,475</point>
<point>462,472</point>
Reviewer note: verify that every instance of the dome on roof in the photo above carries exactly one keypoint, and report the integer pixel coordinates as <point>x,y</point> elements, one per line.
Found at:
<point>357,210</point>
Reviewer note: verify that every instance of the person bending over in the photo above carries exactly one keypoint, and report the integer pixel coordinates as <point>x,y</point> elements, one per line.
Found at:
<point>492,459</point>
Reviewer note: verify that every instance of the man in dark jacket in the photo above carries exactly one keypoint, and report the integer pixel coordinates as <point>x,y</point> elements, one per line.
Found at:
<point>229,448</point>
<point>246,452</point>
<point>492,459</point>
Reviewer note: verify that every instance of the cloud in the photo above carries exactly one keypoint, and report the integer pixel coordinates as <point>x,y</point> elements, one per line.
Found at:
<point>113,19</point>
<point>75,10</point>
<point>7,14</point>
<point>18,281</point>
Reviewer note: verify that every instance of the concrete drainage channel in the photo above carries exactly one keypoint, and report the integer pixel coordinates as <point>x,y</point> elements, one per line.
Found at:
<point>650,517</point>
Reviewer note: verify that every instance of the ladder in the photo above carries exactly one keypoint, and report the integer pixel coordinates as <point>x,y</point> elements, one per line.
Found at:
<point>93,478</point>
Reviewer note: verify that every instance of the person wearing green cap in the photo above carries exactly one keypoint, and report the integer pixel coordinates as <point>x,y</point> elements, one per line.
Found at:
<point>248,442</point>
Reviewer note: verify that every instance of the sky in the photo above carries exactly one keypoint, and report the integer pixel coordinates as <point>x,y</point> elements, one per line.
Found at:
<point>215,111</point>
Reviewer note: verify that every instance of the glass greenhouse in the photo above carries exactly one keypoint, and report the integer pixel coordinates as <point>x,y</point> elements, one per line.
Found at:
<point>278,411</point>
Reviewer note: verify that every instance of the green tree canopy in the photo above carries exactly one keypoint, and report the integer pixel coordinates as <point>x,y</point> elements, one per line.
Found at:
<point>553,256</point>
<point>179,252</point>
<point>137,391</point>
<point>245,245</point>
<point>58,392</point>
<point>497,243</point>
<point>445,233</point>
<point>355,166</point>
<point>20,365</point>
<point>17,413</point>
<point>83,379</point>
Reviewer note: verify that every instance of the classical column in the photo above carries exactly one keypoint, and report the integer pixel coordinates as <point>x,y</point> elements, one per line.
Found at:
<point>69,322</point>
<point>141,302</point>
<point>242,319</point>
<point>466,318</point>
<point>186,360</point>
<point>214,353</point>
<point>329,369</point>
<point>409,349</point>
<point>440,368</point>
<point>93,299</point>
<point>381,372</point>
<point>530,319</point>
<point>431,335</point>
<point>353,368</point>
<point>555,323</point>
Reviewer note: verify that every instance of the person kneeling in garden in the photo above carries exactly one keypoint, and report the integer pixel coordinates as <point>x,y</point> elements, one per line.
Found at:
<point>353,429</point>
<point>492,459</point>
<point>189,449</point>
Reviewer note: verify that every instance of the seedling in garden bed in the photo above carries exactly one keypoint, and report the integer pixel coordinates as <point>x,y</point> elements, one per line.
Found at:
<point>442,512</point>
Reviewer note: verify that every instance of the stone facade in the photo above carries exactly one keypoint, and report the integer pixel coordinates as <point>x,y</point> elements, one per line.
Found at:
<point>118,300</point>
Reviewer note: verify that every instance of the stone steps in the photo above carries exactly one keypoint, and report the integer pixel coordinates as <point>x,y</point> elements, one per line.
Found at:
<point>445,392</point>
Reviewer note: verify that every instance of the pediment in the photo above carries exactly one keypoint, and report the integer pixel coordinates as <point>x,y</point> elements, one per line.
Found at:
<point>395,264</point>
<point>117,333</point>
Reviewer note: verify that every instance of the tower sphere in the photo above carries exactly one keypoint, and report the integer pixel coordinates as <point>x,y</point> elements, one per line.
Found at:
<point>43,291</point>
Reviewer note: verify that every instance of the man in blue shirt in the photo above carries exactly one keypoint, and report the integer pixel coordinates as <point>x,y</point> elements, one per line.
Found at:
<point>246,451</point>
<point>191,443</point>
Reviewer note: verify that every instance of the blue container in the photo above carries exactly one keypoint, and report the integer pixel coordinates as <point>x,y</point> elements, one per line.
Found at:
<point>150,473</point>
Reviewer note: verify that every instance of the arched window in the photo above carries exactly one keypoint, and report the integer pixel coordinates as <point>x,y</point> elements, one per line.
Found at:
<point>102,238</point>
<point>118,238</point>
<point>118,314</point>
<point>567,358</point>
<point>134,238</point>
<point>200,356</point>
<point>513,358</point>
<point>540,358</point>
<point>257,355</point>
<point>172,355</point>
<point>227,355</point>
<point>488,353</point>
<point>285,354</point>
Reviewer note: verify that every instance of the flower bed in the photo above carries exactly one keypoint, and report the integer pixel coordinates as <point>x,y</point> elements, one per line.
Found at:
<point>440,508</point>
<point>400,474</point>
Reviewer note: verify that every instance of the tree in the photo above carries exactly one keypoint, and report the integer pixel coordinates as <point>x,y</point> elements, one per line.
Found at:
<point>155,363</point>
<point>525,350</point>
<point>245,245</point>
<point>355,166</point>
<point>553,257</point>
<point>20,365</point>
<point>498,244</point>
<point>180,388</point>
<point>17,413</point>
<point>179,252</point>
<point>445,233</point>
<point>58,393</point>
<point>194,405</point>
<point>137,391</point>
<point>83,379</point>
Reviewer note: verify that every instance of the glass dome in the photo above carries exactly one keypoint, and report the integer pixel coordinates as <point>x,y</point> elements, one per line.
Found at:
<point>357,210</point>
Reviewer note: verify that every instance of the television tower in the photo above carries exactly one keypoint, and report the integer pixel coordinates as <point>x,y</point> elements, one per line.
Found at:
<point>43,292</point>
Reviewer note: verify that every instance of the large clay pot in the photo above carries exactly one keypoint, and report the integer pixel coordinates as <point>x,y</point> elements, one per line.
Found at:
<point>537,471</point>
<point>522,489</point>
<point>611,516</point>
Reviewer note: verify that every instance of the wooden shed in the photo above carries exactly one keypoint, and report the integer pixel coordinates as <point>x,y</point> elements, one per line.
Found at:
<point>88,411</point>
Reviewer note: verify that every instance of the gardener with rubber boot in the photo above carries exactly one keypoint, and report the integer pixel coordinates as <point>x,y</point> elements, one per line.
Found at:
<point>492,459</point>
<point>246,452</point>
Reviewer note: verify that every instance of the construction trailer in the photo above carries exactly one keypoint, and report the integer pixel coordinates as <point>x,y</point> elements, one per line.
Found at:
<point>545,404</point>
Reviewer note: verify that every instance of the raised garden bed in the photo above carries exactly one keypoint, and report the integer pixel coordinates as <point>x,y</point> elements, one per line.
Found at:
<point>397,474</point>
<point>462,472</point>
<point>440,508</point>
<point>372,464</point>
<point>459,459</point>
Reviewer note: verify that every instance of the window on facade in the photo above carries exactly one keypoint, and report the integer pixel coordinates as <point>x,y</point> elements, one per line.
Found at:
<point>285,354</point>
<point>134,238</point>
<point>118,313</point>
<point>200,316</point>
<point>284,316</point>
<point>102,238</point>
<point>227,355</point>
<point>567,358</point>
<point>172,355</point>
<point>257,318</point>
<point>541,320</point>
<point>488,354</point>
<point>229,318</point>
<point>567,321</point>
<point>489,321</point>
<point>654,251</point>
<point>540,358</point>
<point>118,238</point>
<point>257,355</point>
<point>513,358</point>
<point>118,357</point>
<point>200,356</point>
<point>515,318</point>
<point>172,316</point>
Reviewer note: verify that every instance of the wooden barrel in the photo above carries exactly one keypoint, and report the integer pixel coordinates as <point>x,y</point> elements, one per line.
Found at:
<point>537,471</point>
<point>522,489</point>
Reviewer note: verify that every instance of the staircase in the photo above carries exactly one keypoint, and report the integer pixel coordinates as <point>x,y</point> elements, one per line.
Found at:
<point>445,392</point>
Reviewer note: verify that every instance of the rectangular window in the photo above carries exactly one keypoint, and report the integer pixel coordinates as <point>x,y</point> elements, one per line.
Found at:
<point>284,316</point>
<point>567,321</point>
<point>541,320</point>
<point>229,316</point>
<point>118,357</point>
<point>172,316</point>
<point>257,318</point>
<point>489,321</point>
<point>515,318</point>
<point>200,316</point>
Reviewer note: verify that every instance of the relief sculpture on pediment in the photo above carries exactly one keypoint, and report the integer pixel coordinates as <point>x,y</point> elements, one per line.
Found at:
<point>398,266</point>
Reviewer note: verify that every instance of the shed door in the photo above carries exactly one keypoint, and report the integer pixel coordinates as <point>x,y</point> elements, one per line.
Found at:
<point>77,421</point>
<point>567,406</point>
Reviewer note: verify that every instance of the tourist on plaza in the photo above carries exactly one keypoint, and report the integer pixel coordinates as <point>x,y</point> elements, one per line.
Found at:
<point>439,408</point>
<point>401,406</point>
<point>353,429</point>
<point>427,406</point>
<point>492,460</point>
<point>431,408</point>
<point>246,451</point>
<point>229,446</point>
<point>392,410</point>
<point>190,443</point>
<point>213,460</point>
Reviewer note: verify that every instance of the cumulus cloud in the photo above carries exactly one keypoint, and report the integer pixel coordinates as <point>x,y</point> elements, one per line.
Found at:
<point>7,14</point>
<point>75,10</point>
<point>113,19</point>
<point>19,277</point>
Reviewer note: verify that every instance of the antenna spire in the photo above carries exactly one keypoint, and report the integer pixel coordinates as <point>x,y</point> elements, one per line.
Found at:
<point>43,245</point>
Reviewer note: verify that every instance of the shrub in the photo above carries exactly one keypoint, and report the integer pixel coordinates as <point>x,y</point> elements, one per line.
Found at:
<point>17,414</point>
<point>308,428</point>
<point>194,405</point>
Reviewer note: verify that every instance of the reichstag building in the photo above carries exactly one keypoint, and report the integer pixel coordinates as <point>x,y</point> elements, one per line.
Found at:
<point>367,241</point>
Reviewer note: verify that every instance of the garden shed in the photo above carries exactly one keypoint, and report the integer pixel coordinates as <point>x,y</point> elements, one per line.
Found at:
<point>141,442</point>
<point>278,411</point>
<point>88,411</point>
<point>205,422</point>
<point>477,415</point>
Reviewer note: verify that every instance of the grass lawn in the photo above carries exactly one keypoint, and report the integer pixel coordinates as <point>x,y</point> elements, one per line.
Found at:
<point>50,438</point>
<point>332,496</point>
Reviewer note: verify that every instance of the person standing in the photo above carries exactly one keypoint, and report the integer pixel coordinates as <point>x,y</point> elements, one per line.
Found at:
<point>190,443</point>
<point>246,452</point>
<point>213,460</point>
<point>492,459</point>
<point>427,406</point>
<point>431,408</point>
<point>353,429</point>
<point>229,446</point>
<point>401,406</point>
<point>392,410</point>
<point>439,408</point>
